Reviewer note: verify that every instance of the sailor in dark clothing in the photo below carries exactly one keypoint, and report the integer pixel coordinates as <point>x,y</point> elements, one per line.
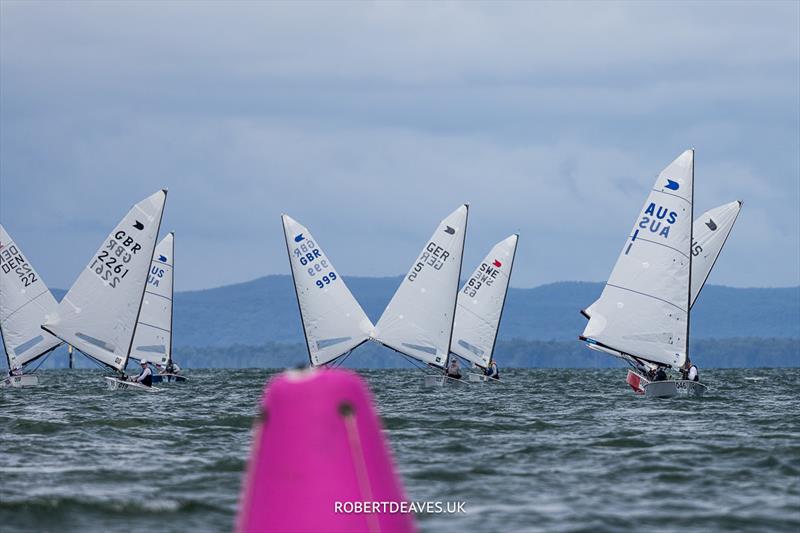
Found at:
<point>689,371</point>
<point>145,377</point>
<point>661,375</point>
<point>454,370</point>
<point>492,371</point>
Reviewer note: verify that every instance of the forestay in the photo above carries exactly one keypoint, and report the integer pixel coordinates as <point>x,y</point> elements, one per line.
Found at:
<point>480,304</point>
<point>99,313</point>
<point>333,321</point>
<point>153,337</point>
<point>711,230</point>
<point>643,310</point>
<point>25,303</point>
<point>419,319</point>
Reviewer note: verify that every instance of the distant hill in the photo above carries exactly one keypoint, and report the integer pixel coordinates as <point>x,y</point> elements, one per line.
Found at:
<point>540,325</point>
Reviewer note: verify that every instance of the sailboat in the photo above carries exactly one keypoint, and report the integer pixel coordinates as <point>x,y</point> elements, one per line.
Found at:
<point>642,315</point>
<point>418,322</point>
<point>334,323</point>
<point>480,304</point>
<point>153,338</point>
<point>711,231</point>
<point>25,302</point>
<point>98,315</point>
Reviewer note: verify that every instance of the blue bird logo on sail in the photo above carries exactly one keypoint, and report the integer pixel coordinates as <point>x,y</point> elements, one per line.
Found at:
<point>138,225</point>
<point>299,237</point>
<point>162,258</point>
<point>449,230</point>
<point>672,185</point>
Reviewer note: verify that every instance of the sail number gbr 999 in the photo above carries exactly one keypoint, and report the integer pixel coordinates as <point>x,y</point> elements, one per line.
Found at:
<point>110,263</point>
<point>310,257</point>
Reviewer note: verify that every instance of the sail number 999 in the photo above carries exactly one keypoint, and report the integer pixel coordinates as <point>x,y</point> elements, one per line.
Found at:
<point>326,279</point>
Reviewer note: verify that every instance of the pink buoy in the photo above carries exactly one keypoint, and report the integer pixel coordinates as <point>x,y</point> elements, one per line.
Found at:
<point>318,449</point>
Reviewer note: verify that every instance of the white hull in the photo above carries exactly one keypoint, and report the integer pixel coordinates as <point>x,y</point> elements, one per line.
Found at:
<point>440,381</point>
<point>169,378</point>
<point>118,384</point>
<point>673,388</point>
<point>481,378</point>
<point>19,381</point>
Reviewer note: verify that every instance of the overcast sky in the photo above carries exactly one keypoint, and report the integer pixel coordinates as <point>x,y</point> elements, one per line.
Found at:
<point>370,122</point>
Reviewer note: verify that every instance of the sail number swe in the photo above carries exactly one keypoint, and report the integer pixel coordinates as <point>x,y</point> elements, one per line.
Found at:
<point>484,277</point>
<point>433,256</point>
<point>110,263</point>
<point>11,260</point>
<point>310,257</point>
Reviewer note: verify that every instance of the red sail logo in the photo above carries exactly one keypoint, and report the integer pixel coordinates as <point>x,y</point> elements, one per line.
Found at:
<point>497,263</point>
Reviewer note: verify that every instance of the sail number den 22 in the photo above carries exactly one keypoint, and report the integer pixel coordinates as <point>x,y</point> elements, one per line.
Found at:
<point>110,263</point>
<point>12,260</point>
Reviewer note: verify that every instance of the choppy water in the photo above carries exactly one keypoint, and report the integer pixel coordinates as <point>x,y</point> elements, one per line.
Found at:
<point>546,450</point>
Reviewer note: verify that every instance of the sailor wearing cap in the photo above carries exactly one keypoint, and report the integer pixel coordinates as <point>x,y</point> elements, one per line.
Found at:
<point>145,377</point>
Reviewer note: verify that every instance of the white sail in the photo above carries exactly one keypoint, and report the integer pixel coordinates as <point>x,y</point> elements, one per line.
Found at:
<point>419,319</point>
<point>333,321</point>
<point>480,304</point>
<point>25,302</point>
<point>153,337</point>
<point>711,230</point>
<point>644,308</point>
<point>98,315</point>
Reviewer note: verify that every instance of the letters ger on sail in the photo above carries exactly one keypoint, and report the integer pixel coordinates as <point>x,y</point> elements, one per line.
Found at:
<point>419,319</point>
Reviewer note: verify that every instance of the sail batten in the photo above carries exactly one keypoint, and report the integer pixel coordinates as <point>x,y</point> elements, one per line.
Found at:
<point>418,321</point>
<point>105,302</point>
<point>22,311</point>
<point>480,304</point>
<point>644,308</point>
<point>333,322</point>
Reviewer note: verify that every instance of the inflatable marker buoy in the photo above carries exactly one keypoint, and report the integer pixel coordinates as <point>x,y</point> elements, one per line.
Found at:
<point>318,448</point>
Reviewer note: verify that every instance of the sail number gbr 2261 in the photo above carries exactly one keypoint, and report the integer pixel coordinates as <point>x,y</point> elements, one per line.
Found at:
<point>110,263</point>
<point>310,257</point>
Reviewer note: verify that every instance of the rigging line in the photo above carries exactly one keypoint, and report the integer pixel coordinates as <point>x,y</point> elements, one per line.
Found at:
<point>49,353</point>
<point>343,359</point>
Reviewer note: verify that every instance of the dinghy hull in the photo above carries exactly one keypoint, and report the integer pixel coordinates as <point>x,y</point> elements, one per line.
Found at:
<point>673,388</point>
<point>168,378</point>
<point>19,381</point>
<point>118,384</point>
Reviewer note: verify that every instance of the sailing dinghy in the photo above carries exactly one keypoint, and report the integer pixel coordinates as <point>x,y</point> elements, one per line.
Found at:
<point>418,322</point>
<point>333,322</point>
<point>479,308</point>
<point>25,302</point>
<point>153,338</point>
<point>711,231</point>
<point>98,315</point>
<point>643,315</point>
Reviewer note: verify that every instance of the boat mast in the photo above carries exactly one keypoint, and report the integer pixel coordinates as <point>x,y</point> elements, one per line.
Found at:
<point>171,299</point>
<point>505,296</point>
<point>691,241</point>
<point>296,294</point>
<point>144,289</point>
<point>458,286</point>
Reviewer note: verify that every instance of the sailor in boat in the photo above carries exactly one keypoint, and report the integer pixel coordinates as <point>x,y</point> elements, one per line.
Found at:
<point>15,372</point>
<point>145,377</point>
<point>492,371</point>
<point>690,372</point>
<point>660,375</point>
<point>454,370</point>
<point>173,368</point>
